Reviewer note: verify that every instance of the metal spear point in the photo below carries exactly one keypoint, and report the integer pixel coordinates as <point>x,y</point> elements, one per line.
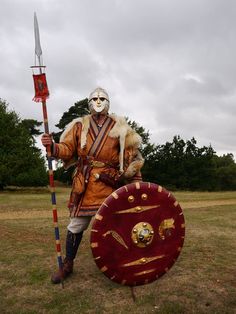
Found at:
<point>38,53</point>
<point>38,49</point>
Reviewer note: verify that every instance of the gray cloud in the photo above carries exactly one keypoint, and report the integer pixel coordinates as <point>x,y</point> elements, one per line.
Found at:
<point>169,65</point>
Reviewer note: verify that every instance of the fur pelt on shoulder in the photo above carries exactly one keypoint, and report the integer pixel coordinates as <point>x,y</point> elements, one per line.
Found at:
<point>85,126</point>
<point>127,136</point>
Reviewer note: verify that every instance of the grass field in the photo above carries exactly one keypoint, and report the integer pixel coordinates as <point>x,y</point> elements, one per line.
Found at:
<point>203,280</point>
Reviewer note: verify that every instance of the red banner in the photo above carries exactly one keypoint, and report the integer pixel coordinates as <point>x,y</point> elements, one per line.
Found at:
<point>41,88</point>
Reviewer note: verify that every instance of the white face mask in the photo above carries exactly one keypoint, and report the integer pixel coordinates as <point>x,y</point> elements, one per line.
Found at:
<point>98,104</point>
<point>99,101</point>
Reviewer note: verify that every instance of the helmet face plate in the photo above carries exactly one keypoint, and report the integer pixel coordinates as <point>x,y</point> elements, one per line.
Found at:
<point>137,234</point>
<point>98,101</point>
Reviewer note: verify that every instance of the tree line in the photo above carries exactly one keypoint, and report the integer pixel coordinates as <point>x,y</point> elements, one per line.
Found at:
<point>178,164</point>
<point>21,162</point>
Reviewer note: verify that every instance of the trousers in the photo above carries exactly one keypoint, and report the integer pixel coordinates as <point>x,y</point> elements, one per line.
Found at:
<point>79,224</point>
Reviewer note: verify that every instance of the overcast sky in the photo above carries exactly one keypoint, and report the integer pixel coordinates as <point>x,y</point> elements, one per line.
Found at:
<point>170,65</point>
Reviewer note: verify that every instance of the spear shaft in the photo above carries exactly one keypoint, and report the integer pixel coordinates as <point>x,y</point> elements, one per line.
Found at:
<point>52,188</point>
<point>38,53</point>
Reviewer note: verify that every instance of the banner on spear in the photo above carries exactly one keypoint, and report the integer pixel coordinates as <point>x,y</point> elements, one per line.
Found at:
<point>40,87</point>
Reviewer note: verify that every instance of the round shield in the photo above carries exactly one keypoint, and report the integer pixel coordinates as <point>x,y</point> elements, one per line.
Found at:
<point>137,234</point>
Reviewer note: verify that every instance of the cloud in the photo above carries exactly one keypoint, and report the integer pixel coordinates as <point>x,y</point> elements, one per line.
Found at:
<point>169,65</point>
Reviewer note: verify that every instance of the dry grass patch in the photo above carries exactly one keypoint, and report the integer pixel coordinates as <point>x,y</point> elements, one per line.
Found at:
<point>201,281</point>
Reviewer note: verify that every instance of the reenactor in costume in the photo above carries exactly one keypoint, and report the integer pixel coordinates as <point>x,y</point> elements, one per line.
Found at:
<point>139,229</point>
<point>105,150</point>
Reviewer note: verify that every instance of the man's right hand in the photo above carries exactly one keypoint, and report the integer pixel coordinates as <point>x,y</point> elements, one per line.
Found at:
<point>46,139</point>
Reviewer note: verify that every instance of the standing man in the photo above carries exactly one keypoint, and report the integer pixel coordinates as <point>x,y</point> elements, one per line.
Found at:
<point>105,150</point>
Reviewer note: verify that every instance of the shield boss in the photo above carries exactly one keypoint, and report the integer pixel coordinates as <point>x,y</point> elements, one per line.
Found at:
<point>137,234</point>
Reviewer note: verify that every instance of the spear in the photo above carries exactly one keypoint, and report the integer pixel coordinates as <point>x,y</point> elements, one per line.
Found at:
<point>41,94</point>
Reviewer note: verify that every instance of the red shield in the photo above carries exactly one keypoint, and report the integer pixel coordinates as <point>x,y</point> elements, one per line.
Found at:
<point>137,234</point>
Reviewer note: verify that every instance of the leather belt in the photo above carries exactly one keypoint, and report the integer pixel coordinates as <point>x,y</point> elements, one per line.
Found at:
<point>99,163</point>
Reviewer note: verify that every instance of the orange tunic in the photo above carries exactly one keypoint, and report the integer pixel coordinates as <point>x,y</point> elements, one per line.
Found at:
<point>88,192</point>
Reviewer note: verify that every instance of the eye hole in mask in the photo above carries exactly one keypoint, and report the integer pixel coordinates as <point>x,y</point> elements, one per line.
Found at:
<point>96,98</point>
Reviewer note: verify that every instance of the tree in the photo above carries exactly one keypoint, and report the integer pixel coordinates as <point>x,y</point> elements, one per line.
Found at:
<point>183,165</point>
<point>32,126</point>
<point>225,172</point>
<point>21,162</point>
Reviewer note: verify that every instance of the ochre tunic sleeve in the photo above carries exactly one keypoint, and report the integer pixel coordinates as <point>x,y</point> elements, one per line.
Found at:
<point>68,146</point>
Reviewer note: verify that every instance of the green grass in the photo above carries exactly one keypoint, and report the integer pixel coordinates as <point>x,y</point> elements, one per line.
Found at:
<point>201,281</point>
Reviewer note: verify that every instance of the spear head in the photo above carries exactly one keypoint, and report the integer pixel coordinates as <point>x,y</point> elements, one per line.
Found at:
<point>38,49</point>
<point>40,82</point>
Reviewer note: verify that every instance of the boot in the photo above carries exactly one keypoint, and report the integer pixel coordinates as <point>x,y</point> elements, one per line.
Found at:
<point>60,275</point>
<point>72,244</point>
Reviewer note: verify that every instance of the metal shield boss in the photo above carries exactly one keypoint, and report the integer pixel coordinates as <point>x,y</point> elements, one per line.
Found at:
<point>137,234</point>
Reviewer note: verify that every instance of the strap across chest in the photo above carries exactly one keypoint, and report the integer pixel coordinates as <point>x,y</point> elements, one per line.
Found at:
<point>99,135</point>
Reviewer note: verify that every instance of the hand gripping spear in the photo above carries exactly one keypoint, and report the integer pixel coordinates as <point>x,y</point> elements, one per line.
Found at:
<point>41,94</point>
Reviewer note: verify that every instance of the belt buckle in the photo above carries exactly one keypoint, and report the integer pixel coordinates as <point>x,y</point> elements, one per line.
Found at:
<point>97,164</point>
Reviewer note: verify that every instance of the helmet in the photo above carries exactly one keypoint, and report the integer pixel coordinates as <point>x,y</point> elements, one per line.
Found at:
<point>98,101</point>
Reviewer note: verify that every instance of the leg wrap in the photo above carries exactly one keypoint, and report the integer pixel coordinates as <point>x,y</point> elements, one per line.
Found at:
<point>72,243</point>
